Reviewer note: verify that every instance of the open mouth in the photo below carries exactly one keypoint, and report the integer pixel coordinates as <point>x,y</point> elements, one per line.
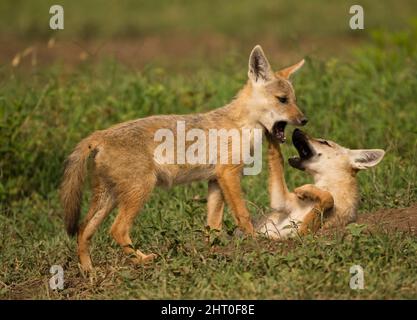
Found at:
<point>278,131</point>
<point>300,142</point>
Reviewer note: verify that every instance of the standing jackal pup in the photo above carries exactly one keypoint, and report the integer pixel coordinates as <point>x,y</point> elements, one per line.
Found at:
<point>334,195</point>
<point>124,170</point>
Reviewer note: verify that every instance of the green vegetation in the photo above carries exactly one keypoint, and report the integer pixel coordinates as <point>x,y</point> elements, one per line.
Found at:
<point>365,102</point>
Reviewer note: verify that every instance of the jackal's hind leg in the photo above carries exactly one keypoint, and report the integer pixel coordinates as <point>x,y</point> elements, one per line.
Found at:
<point>102,204</point>
<point>130,204</point>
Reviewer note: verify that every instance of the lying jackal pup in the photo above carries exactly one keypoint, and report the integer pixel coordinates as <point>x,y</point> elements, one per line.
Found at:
<point>124,170</point>
<point>334,195</point>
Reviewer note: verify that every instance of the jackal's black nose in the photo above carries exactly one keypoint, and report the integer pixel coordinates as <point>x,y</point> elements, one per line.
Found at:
<point>304,121</point>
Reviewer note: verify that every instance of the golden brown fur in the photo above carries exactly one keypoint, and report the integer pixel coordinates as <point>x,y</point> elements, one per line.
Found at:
<point>124,170</point>
<point>332,200</point>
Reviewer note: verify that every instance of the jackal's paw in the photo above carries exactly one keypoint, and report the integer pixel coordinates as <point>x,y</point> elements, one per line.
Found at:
<point>141,258</point>
<point>86,267</point>
<point>305,192</point>
<point>85,264</point>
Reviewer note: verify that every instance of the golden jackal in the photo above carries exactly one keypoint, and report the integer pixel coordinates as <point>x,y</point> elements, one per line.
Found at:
<point>124,168</point>
<point>333,199</point>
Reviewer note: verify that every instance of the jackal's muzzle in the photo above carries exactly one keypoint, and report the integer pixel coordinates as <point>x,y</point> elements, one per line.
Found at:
<point>301,142</point>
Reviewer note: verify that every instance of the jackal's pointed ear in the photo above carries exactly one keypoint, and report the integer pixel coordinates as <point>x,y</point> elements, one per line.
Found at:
<point>287,72</point>
<point>259,68</point>
<point>363,159</point>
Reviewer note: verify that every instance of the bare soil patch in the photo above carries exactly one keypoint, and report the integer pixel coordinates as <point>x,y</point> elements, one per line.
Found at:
<point>173,51</point>
<point>391,220</point>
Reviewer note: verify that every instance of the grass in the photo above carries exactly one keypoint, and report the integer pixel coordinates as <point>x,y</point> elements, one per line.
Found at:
<point>366,102</point>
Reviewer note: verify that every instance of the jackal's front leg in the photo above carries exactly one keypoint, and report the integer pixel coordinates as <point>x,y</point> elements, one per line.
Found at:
<point>215,205</point>
<point>323,202</point>
<point>229,181</point>
<point>278,191</point>
<point>322,197</point>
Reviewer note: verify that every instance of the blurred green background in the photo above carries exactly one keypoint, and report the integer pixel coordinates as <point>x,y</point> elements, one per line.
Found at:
<point>241,20</point>
<point>176,33</point>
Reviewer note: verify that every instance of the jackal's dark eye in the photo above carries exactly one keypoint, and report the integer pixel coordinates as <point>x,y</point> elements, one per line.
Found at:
<point>325,142</point>
<point>282,99</point>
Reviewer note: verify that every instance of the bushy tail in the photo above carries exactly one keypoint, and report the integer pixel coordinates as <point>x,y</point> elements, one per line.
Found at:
<point>72,184</point>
